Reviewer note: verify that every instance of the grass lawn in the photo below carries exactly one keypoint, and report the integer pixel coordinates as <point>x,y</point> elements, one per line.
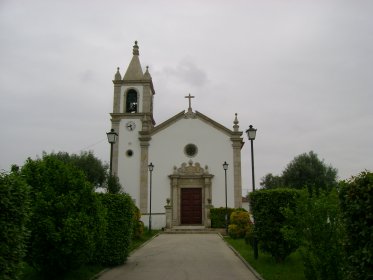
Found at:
<point>85,272</point>
<point>290,269</point>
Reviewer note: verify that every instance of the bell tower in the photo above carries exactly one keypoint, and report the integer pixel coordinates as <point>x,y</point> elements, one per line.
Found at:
<point>132,118</point>
<point>134,93</point>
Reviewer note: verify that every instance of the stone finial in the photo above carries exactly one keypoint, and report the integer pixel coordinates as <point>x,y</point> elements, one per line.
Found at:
<point>135,49</point>
<point>235,122</point>
<point>117,76</point>
<point>206,169</point>
<point>147,74</point>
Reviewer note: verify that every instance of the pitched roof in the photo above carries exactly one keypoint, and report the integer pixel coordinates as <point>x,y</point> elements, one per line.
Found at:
<point>196,115</point>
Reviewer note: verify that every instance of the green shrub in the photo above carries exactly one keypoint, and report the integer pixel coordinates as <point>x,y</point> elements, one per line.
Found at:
<point>120,209</point>
<point>138,226</point>
<point>240,223</point>
<point>356,200</point>
<point>218,216</point>
<point>266,208</point>
<point>14,214</point>
<point>233,231</point>
<point>67,218</point>
<point>317,226</point>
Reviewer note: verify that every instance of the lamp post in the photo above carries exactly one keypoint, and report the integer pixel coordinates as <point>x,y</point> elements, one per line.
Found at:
<point>225,167</point>
<point>151,167</point>
<point>112,138</point>
<point>251,133</point>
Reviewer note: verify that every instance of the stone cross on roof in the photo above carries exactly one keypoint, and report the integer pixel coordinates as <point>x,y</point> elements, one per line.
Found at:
<point>190,102</point>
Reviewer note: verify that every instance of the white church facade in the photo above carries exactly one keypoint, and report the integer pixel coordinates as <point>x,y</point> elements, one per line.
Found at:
<point>187,151</point>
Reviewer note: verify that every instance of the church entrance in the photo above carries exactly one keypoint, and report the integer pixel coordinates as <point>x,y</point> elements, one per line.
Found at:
<point>190,190</point>
<point>191,206</point>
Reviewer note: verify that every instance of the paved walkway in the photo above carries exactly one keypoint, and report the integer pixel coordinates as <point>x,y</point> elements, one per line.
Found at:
<point>182,257</point>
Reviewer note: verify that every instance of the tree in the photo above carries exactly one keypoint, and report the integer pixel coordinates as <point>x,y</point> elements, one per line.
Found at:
<point>113,184</point>
<point>271,181</point>
<point>307,171</point>
<point>93,168</point>
<point>14,215</point>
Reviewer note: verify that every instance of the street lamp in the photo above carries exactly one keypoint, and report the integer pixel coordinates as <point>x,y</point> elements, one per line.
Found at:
<point>251,133</point>
<point>225,167</point>
<point>112,138</point>
<point>151,167</point>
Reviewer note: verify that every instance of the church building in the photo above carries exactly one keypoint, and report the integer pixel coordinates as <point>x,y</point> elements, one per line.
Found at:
<point>186,154</point>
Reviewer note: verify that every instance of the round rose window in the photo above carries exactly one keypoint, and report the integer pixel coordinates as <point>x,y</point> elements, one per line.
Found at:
<point>191,150</point>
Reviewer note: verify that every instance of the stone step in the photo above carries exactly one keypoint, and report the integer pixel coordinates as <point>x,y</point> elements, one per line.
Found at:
<point>194,229</point>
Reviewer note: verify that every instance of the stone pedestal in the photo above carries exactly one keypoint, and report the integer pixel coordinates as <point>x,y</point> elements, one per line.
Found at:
<point>208,216</point>
<point>168,216</point>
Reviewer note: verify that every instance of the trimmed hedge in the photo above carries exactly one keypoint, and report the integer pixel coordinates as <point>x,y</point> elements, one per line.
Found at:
<point>266,208</point>
<point>356,200</point>
<point>218,216</point>
<point>14,214</point>
<point>67,220</point>
<point>316,225</point>
<point>120,217</point>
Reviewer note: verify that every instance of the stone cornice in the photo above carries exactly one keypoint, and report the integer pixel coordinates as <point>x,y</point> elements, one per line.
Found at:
<point>119,116</point>
<point>117,82</point>
<point>144,137</point>
<point>135,82</point>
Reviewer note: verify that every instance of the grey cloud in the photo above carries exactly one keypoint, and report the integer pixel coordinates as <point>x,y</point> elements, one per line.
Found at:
<point>187,72</point>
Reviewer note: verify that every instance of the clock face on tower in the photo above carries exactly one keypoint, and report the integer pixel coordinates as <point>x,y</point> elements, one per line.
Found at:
<point>130,125</point>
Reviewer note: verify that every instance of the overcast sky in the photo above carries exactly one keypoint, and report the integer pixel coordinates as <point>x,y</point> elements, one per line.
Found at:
<point>301,72</point>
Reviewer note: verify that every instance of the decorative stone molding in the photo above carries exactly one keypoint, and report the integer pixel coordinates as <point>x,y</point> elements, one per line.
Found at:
<point>190,115</point>
<point>189,169</point>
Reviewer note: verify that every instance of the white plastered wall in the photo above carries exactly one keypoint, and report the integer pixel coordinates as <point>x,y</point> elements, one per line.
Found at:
<point>129,167</point>
<point>166,150</point>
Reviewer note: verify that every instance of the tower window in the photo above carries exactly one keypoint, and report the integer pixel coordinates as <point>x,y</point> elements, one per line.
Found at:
<point>131,101</point>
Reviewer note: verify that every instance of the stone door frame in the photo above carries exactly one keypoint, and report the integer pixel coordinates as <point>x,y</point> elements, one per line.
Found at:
<point>189,176</point>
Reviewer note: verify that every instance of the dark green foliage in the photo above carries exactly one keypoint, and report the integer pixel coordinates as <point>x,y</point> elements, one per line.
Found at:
<point>120,216</point>
<point>14,214</point>
<point>266,208</point>
<point>306,170</point>
<point>218,216</point>
<point>67,218</point>
<point>316,225</point>
<point>113,185</point>
<point>271,181</point>
<point>240,223</point>
<point>356,200</point>
<point>92,167</point>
